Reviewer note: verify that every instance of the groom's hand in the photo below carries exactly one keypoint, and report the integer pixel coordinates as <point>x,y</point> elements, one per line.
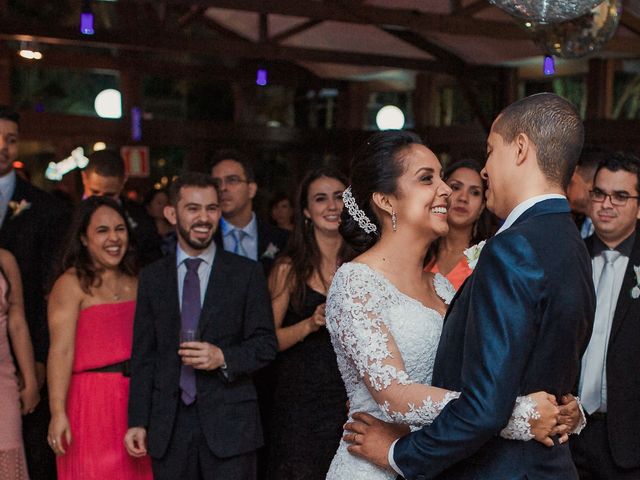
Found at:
<point>371,438</point>
<point>570,418</point>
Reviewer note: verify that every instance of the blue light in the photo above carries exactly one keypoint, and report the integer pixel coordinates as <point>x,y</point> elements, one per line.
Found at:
<point>549,67</point>
<point>261,77</point>
<point>136,124</point>
<point>86,23</point>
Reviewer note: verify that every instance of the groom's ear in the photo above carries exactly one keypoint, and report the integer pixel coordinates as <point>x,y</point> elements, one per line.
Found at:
<point>382,201</point>
<point>523,148</point>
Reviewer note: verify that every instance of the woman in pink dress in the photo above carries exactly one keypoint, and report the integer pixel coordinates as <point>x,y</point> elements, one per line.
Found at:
<point>15,397</point>
<point>469,222</point>
<point>91,310</point>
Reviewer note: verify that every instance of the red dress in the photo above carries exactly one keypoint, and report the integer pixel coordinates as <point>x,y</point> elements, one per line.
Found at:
<point>457,275</point>
<point>97,402</point>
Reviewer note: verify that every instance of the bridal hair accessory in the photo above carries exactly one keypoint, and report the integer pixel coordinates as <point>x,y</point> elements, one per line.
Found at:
<point>473,254</point>
<point>635,291</point>
<point>355,212</point>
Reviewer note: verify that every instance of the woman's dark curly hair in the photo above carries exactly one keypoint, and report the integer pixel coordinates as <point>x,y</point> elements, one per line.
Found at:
<point>76,254</point>
<point>303,253</point>
<point>376,167</point>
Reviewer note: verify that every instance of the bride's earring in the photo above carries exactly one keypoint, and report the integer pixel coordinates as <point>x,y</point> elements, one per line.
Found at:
<point>394,220</point>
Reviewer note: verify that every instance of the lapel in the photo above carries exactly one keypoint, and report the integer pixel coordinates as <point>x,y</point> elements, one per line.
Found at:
<point>624,297</point>
<point>21,192</point>
<point>214,295</point>
<point>263,238</point>
<point>170,298</point>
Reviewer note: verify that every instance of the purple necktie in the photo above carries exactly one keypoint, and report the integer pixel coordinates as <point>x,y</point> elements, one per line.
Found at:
<point>190,316</point>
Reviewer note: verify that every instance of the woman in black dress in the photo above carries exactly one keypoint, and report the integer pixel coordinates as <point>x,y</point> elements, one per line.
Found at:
<point>309,405</point>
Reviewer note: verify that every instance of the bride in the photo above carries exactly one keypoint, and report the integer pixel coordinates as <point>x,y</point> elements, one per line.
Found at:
<point>384,313</point>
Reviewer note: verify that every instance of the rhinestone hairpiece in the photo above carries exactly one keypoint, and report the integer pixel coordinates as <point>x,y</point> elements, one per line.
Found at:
<point>356,213</point>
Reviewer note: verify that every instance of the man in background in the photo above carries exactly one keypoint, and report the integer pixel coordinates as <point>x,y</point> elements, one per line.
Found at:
<point>609,446</point>
<point>32,225</point>
<point>105,176</point>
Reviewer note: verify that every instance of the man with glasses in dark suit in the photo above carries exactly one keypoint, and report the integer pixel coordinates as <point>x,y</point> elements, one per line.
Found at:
<point>609,446</point>
<point>241,231</point>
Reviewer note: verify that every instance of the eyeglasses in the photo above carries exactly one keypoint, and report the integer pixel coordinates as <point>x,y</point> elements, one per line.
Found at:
<point>231,181</point>
<point>617,199</point>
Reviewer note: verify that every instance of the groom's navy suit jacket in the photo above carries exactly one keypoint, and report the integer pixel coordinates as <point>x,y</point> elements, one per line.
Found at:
<point>518,325</point>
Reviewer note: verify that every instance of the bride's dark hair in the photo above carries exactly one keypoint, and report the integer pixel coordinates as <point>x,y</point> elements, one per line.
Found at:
<point>376,167</point>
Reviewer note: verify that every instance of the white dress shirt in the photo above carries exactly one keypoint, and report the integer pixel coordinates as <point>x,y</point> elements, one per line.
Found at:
<point>526,205</point>
<point>204,270</point>
<point>250,240</point>
<point>7,188</point>
<point>619,269</point>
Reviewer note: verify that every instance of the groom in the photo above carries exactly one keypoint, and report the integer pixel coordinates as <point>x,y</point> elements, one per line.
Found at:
<point>518,325</point>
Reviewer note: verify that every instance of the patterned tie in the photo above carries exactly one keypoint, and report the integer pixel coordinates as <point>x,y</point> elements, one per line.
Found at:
<point>190,316</point>
<point>593,362</point>
<point>238,236</point>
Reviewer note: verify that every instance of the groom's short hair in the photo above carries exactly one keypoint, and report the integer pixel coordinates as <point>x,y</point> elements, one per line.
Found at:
<point>553,125</point>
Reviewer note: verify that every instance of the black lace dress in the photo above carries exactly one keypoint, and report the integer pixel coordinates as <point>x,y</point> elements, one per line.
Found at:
<point>309,406</point>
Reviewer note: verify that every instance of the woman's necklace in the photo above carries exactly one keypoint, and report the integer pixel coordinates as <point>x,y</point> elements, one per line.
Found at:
<point>115,294</point>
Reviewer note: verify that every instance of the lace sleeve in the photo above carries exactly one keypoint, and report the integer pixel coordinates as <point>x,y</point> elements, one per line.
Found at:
<point>360,334</point>
<point>356,310</point>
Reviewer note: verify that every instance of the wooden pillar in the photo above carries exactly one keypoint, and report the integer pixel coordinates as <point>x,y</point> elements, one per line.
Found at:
<point>196,159</point>
<point>353,106</point>
<point>507,89</point>
<point>425,101</point>
<point>6,67</point>
<point>131,88</point>
<point>600,89</point>
<point>239,102</point>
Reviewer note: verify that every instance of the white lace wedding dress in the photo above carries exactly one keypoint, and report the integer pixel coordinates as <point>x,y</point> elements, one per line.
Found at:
<point>386,344</point>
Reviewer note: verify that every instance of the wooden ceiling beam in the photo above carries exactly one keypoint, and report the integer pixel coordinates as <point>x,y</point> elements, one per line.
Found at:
<point>222,30</point>
<point>293,31</point>
<point>190,15</point>
<point>456,64</point>
<point>415,20</point>
<point>263,27</point>
<point>177,42</point>
<point>631,22</point>
<point>472,8</point>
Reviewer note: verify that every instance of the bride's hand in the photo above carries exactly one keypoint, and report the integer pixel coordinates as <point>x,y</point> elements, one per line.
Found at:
<point>543,427</point>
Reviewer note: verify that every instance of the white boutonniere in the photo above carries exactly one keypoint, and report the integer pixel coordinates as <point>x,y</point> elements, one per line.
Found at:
<point>270,252</point>
<point>18,207</point>
<point>635,291</point>
<point>473,254</point>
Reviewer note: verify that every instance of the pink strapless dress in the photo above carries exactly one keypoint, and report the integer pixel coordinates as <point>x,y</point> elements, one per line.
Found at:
<point>97,402</point>
<point>12,459</point>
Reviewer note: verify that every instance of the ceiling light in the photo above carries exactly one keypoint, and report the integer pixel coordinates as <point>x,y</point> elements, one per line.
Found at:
<point>390,117</point>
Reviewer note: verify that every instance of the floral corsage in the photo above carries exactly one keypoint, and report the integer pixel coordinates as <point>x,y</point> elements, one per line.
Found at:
<point>271,251</point>
<point>473,254</point>
<point>18,207</point>
<point>635,291</point>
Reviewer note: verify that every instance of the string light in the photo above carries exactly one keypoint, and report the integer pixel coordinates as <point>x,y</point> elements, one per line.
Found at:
<point>86,19</point>
<point>548,67</point>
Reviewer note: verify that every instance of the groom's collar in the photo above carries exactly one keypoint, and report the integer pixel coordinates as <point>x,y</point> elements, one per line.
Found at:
<point>528,204</point>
